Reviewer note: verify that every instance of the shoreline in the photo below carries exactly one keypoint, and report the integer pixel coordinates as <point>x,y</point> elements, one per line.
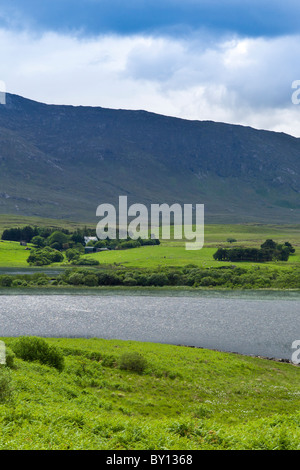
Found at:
<point>266,358</point>
<point>146,288</point>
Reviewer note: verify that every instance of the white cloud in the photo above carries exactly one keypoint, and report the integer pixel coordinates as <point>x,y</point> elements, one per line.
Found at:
<point>238,80</point>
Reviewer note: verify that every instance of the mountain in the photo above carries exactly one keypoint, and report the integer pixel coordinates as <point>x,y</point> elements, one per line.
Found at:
<point>63,161</point>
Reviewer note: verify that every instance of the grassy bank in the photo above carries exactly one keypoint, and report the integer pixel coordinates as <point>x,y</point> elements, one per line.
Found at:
<point>185,398</point>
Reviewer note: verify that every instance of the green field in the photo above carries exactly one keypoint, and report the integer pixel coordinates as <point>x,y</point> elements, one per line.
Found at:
<point>13,255</point>
<point>170,252</point>
<point>185,398</point>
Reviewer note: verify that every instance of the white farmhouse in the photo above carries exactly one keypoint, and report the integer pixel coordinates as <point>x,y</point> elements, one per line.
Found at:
<point>90,239</point>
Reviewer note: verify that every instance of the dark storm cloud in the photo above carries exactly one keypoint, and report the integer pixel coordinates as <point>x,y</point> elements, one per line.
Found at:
<point>250,18</point>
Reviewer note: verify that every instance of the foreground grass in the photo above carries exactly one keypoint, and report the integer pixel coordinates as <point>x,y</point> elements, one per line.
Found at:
<point>185,399</point>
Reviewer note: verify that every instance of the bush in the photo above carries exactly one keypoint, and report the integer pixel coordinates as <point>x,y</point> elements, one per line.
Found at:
<point>76,279</point>
<point>45,256</point>
<point>158,280</point>
<point>132,361</point>
<point>129,281</point>
<point>208,281</point>
<point>17,283</point>
<point>91,280</point>
<point>85,262</point>
<point>6,281</point>
<point>31,348</point>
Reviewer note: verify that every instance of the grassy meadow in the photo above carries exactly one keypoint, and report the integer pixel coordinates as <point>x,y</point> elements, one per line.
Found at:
<point>184,398</point>
<point>169,252</point>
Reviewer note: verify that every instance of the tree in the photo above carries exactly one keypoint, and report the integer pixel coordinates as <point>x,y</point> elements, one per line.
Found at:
<point>12,234</point>
<point>72,254</point>
<point>269,245</point>
<point>78,236</point>
<point>27,233</point>
<point>59,238</point>
<point>38,241</point>
<point>290,247</point>
<point>221,255</point>
<point>269,251</point>
<point>44,257</point>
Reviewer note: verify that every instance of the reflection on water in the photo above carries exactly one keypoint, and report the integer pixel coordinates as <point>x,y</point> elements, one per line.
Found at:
<point>249,322</point>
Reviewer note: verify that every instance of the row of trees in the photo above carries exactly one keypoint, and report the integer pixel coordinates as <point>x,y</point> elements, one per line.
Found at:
<point>28,232</point>
<point>122,244</point>
<point>224,277</point>
<point>268,251</point>
<point>48,255</point>
<point>63,239</point>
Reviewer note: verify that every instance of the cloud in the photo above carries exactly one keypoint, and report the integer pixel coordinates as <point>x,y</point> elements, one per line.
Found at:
<point>252,18</point>
<point>227,78</point>
<point>242,80</point>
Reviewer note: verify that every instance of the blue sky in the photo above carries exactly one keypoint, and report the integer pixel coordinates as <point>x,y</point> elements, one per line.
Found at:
<point>222,60</point>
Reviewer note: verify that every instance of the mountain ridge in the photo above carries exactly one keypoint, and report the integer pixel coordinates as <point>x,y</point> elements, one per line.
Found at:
<point>62,161</point>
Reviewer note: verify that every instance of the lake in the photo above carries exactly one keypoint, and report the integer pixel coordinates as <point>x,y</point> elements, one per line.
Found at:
<point>250,322</point>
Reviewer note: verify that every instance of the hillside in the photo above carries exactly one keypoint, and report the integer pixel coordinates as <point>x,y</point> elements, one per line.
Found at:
<point>184,399</point>
<point>63,161</point>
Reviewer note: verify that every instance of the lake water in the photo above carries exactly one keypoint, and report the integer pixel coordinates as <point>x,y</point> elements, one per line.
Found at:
<point>250,322</point>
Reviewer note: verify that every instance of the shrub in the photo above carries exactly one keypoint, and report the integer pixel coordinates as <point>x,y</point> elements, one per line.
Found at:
<point>129,281</point>
<point>91,280</point>
<point>76,279</point>
<point>129,244</point>
<point>31,348</point>
<point>208,281</point>
<point>158,280</point>
<point>132,361</point>
<point>42,282</point>
<point>6,281</point>
<point>85,262</point>
<point>45,256</point>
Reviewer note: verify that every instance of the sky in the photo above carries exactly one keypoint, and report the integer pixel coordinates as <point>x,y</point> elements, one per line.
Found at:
<point>230,61</point>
